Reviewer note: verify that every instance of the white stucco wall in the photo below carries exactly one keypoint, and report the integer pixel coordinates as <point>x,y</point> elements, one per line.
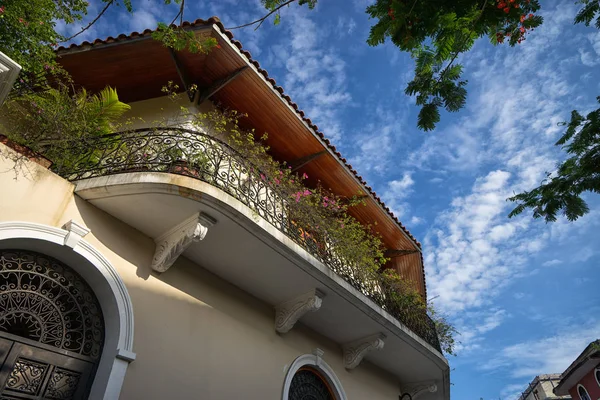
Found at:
<point>196,336</point>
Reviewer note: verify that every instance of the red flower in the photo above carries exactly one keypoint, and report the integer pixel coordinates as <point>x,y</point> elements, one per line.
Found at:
<point>391,14</point>
<point>1,10</point>
<point>522,19</point>
<point>507,10</point>
<point>530,15</point>
<point>522,30</point>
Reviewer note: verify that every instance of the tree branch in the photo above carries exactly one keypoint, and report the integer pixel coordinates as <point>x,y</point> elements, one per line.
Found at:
<point>458,52</point>
<point>261,20</point>
<point>412,8</point>
<point>179,14</point>
<point>88,26</point>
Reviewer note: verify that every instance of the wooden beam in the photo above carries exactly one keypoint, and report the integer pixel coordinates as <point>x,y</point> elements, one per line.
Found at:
<point>219,84</point>
<point>399,253</point>
<point>302,161</point>
<point>185,80</point>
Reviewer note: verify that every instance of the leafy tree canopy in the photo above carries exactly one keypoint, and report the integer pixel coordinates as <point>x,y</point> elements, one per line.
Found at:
<point>580,173</point>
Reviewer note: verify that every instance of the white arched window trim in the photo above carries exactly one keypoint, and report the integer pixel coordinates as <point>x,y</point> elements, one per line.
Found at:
<point>580,386</point>
<point>315,361</point>
<point>597,374</point>
<point>106,284</point>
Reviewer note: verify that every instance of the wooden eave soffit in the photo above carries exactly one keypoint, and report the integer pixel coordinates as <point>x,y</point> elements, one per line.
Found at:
<point>399,253</point>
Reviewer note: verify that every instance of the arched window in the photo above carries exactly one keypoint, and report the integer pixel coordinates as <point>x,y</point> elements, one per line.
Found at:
<point>309,384</point>
<point>51,328</point>
<point>100,285</point>
<point>583,394</point>
<point>597,375</point>
<point>310,378</point>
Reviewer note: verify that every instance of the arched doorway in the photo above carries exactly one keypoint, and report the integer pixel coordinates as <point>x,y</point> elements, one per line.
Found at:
<point>51,328</point>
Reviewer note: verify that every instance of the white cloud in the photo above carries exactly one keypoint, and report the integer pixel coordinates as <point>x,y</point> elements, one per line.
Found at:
<point>465,260</point>
<point>594,39</point>
<point>315,73</point>
<point>583,254</point>
<point>551,263</point>
<point>140,20</point>
<point>401,188</point>
<point>587,58</point>
<point>513,391</point>
<point>550,354</point>
<point>471,335</point>
<point>397,191</point>
<point>345,26</point>
<point>414,220</point>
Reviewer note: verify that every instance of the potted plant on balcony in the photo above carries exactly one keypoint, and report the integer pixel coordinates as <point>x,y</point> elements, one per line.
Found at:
<point>190,163</point>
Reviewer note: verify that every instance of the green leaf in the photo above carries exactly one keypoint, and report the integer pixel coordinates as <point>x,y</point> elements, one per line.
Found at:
<point>429,116</point>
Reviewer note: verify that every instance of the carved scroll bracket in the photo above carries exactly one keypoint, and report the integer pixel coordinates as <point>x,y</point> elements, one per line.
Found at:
<point>415,390</point>
<point>355,351</point>
<point>171,244</point>
<point>289,312</point>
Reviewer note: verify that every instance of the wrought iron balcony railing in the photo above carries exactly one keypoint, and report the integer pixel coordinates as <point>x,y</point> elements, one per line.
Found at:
<point>201,156</point>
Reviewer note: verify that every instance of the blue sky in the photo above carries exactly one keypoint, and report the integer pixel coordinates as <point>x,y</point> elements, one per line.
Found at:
<point>523,294</point>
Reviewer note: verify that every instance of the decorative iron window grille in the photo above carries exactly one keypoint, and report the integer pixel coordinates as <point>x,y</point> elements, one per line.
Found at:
<point>201,156</point>
<point>309,385</point>
<point>44,300</point>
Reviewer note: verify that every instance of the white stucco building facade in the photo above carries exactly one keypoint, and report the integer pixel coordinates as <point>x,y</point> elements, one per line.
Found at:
<point>156,282</point>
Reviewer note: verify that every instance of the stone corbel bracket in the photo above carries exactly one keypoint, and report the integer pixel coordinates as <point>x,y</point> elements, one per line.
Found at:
<point>355,351</point>
<point>289,312</point>
<point>76,233</point>
<point>415,390</point>
<point>171,244</point>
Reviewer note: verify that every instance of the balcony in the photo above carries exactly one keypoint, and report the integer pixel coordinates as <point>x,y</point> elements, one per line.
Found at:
<point>206,158</point>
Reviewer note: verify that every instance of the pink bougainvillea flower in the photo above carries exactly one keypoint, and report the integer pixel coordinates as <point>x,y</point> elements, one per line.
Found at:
<point>304,176</point>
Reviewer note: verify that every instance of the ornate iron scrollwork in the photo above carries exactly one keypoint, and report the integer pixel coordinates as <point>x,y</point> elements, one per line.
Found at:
<point>308,385</point>
<point>44,300</point>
